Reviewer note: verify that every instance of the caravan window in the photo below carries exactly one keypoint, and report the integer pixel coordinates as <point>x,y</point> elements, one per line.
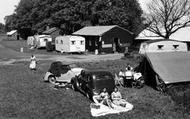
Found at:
<point>73,42</point>
<point>160,47</point>
<point>45,40</point>
<point>61,42</point>
<point>144,46</point>
<point>82,42</point>
<point>175,47</point>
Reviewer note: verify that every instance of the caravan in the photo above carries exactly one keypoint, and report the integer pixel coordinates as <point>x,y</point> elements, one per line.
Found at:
<point>38,41</point>
<point>31,41</point>
<point>70,44</point>
<point>41,40</point>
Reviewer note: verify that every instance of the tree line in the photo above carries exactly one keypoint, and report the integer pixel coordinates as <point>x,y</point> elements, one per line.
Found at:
<point>71,15</point>
<point>2,28</point>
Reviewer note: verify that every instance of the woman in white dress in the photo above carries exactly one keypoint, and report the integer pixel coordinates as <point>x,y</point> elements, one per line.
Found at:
<point>117,98</point>
<point>32,62</point>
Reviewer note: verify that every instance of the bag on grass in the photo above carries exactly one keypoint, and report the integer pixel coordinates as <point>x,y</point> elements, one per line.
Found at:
<point>32,65</point>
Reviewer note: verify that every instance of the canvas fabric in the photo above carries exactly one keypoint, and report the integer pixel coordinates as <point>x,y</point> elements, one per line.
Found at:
<point>171,67</point>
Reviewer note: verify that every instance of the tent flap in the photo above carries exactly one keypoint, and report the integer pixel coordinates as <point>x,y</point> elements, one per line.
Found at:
<point>171,67</point>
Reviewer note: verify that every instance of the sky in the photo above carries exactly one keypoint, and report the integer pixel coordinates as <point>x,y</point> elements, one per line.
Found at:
<point>7,7</point>
<point>143,4</point>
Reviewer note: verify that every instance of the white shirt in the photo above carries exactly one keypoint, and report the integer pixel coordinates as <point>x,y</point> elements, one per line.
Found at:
<point>121,74</point>
<point>33,58</point>
<point>128,73</point>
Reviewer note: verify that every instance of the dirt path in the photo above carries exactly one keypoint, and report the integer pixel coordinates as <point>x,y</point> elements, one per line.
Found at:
<point>68,59</point>
<point>9,56</point>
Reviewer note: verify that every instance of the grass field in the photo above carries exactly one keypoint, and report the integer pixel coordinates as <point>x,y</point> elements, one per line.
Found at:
<point>23,95</point>
<point>17,44</point>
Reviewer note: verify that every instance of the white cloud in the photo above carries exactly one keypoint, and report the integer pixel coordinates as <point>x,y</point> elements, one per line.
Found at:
<point>143,4</point>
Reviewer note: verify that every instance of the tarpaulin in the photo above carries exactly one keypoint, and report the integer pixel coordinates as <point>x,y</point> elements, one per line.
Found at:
<point>171,67</point>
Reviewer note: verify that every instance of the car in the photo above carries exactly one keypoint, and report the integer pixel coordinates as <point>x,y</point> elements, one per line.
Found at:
<point>61,73</point>
<point>91,82</point>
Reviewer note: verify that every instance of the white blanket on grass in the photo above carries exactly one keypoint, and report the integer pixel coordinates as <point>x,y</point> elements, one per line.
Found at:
<point>103,110</point>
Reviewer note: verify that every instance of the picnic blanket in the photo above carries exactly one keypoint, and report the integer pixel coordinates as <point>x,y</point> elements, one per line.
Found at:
<point>102,110</point>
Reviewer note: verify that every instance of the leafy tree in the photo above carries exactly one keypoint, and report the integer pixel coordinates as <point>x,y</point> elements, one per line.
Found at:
<point>2,28</point>
<point>23,10</point>
<point>125,13</point>
<point>168,16</point>
<point>10,22</point>
<point>71,15</point>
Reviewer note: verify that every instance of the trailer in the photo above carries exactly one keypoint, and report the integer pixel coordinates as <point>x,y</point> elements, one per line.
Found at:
<point>41,40</point>
<point>31,41</point>
<point>70,44</point>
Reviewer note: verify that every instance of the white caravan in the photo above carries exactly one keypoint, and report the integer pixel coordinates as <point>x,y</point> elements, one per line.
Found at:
<point>42,39</point>
<point>31,41</point>
<point>70,44</point>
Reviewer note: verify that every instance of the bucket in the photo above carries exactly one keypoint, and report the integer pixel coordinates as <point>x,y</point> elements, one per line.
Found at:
<point>21,49</point>
<point>96,52</point>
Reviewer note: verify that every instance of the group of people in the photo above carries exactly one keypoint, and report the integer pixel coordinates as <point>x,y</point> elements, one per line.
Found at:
<point>106,99</point>
<point>128,77</point>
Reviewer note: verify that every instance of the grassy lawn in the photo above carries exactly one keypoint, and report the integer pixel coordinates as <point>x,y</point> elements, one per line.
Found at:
<point>17,44</point>
<point>23,95</point>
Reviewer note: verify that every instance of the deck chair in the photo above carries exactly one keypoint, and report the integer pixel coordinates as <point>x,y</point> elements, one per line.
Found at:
<point>118,81</point>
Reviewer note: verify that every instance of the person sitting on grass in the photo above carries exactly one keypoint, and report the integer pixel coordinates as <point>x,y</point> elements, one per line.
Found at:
<point>128,77</point>
<point>96,98</point>
<point>103,98</point>
<point>121,75</point>
<point>117,98</point>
